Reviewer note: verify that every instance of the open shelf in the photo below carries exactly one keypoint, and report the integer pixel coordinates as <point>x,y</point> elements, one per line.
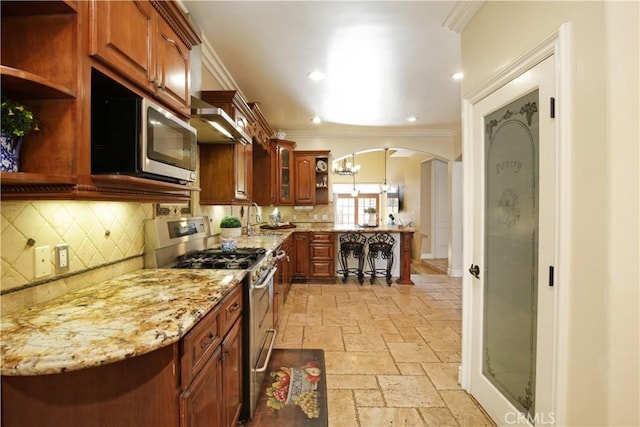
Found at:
<point>27,178</point>
<point>26,8</point>
<point>23,84</point>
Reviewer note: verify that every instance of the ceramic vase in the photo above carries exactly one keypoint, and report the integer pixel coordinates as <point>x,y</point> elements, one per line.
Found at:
<point>228,245</point>
<point>9,153</point>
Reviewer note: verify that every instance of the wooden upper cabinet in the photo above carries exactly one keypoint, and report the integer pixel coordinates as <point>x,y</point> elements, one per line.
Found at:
<point>305,178</point>
<point>144,43</point>
<point>265,164</point>
<point>49,49</point>
<point>285,174</point>
<point>123,35</point>
<point>311,183</point>
<point>40,69</point>
<point>273,176</point>
<point>226,170</point>
<point>244,171</point>
<point>172,68</point>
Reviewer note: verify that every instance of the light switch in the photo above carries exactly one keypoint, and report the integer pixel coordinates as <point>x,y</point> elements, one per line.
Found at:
<point>42,261</point>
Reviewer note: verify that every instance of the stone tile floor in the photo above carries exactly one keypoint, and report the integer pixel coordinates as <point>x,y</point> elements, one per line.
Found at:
<point>391,353</point>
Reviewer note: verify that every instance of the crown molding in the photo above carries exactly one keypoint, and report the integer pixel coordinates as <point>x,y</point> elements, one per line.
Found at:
<point>375,133</point>
<point>212,62</point>
<point>461,15</point>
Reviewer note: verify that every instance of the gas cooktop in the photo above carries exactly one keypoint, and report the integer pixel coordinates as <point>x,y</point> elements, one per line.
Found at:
<point>240,259</point>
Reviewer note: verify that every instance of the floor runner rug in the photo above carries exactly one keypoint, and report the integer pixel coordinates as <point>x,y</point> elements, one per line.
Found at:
<point>294,392</point>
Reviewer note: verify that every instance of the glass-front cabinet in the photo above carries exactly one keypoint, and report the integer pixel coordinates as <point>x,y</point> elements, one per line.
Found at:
<point>285,172</point>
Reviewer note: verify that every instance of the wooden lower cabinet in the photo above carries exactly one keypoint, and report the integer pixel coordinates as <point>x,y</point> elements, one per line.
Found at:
<point>214,397</point>
<point>200,404</point>
<point>314,255</point>
<point>322,265</point>
<point>284,276</point>
<point>232,376</point>
<point>141,391</point>
<point>191,383</point>
<point>406,245</point>
<point>301,249</point>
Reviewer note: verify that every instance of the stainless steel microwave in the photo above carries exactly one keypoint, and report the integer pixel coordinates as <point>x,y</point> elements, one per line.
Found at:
<point>134,136</point>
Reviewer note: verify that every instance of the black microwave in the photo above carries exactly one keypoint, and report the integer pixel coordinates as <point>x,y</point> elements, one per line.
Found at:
<point>133,136</point>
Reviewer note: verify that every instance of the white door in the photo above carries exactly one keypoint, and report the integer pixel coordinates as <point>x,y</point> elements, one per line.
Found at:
<point>440,208</point>
<point>514,239</point>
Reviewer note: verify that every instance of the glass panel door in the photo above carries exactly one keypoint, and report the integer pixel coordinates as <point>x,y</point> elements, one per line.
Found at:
<point>511,250</point>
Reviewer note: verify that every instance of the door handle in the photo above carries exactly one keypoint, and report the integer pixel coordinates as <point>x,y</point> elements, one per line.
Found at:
<point>475,271</point>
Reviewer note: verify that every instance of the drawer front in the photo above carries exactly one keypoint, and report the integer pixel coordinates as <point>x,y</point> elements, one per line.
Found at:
<point>231,310</point>
<point>322,238</point>
<point>199,344</point>
<point>322,269</point>
<point>321,251</point>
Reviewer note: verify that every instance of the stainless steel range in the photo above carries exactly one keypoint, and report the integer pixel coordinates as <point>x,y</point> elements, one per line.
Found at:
<point>187,243</point>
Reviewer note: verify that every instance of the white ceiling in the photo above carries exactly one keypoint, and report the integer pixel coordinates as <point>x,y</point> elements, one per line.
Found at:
<point>384,61</point>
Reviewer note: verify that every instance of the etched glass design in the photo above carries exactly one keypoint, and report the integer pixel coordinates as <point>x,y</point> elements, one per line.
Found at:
<point>511,248</point>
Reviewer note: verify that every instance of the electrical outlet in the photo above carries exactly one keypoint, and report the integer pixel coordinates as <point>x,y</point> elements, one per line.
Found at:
<point>42,261</point>
<point>325,217</point>
<point>62,257</point>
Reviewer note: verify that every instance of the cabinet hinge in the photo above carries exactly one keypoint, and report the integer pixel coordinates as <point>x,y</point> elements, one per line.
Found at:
<point>551,275</point>
<point>552,107</point>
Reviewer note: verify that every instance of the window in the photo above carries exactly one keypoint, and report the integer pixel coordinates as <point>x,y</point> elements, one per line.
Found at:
<point>350,210</point>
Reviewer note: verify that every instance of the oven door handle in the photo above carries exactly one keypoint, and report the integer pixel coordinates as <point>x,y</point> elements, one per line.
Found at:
<point>267,279</point>
<point>266,361</point>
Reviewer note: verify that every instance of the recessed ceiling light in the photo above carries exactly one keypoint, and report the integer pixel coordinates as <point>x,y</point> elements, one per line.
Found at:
<point>316,119</point>
<point>412,119</point>
<point>316,75</point>
<point>457,76</point>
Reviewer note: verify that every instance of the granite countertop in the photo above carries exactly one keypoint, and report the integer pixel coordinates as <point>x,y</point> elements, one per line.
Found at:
<point>330,227</point>
<point>127,316</point>
<point>378,229</point>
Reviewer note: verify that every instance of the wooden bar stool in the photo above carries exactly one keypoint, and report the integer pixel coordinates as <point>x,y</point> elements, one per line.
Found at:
<point>352,246</point>
<point>380,245</point>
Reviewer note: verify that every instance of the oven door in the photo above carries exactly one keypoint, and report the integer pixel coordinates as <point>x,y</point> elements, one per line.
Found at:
<point>262,334</point>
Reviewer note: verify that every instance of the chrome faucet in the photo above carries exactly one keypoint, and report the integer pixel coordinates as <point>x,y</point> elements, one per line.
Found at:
<point>258,219</point>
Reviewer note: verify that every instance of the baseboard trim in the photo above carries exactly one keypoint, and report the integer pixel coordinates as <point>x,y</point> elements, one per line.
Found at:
<point>454,273</point>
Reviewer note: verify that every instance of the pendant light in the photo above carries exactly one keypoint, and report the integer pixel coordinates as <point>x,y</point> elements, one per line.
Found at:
<point>385,187</point>
<point>354,192</point>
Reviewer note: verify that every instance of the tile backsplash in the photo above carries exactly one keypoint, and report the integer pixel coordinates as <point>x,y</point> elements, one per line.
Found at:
<point>98,233</point>
<point>105,239</point>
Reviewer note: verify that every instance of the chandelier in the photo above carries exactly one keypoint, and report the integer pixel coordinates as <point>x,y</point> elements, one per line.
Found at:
<point>346,167</point>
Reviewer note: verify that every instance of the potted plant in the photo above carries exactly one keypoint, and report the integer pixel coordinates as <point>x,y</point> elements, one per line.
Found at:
<point>17,121</point>
<point>230,226</point>
<point>372,219</point>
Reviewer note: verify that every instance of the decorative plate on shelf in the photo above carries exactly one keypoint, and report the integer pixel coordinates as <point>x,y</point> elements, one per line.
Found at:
<point>321,165</point>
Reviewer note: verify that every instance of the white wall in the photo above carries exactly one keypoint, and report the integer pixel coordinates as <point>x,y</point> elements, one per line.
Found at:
<point>598,377</point>
<point>623,225</point>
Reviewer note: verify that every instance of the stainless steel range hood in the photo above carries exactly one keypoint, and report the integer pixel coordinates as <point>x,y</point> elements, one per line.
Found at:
<point>215,126</point>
